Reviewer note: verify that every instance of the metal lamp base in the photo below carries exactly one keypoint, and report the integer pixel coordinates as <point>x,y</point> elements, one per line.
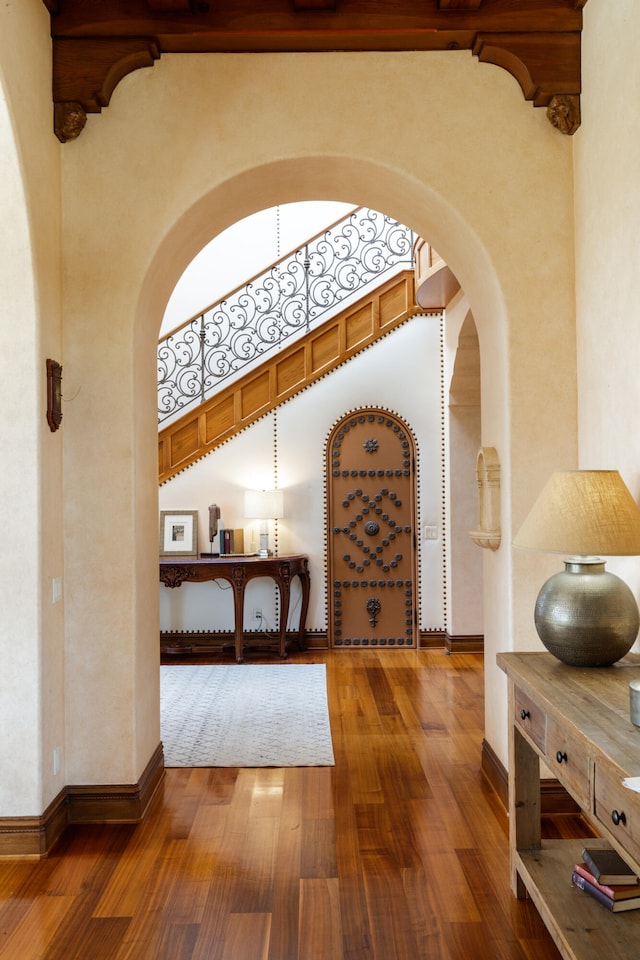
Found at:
<point>585,616</point>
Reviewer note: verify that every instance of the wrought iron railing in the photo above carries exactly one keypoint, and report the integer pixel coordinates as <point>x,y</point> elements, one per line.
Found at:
<point>300,289</point>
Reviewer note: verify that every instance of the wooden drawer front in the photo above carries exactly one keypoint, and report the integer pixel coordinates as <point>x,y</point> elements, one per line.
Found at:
<point>530,718</point>
<point>614,802</point>
<point>569,760</point>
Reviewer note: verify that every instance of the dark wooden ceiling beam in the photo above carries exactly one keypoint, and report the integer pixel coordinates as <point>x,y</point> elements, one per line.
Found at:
<point>96,44</point>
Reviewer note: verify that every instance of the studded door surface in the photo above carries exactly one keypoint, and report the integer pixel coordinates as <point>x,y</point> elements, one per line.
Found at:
<point>371,532</point>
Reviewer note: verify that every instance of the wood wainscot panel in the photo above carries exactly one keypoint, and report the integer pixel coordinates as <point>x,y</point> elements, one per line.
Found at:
<point>325,348</point>
<point>220,419</point>
<point>290,372</point>
<point>185,442</point>
<point>395,301</point>
<point>359,326</point>
<point>255,395</point>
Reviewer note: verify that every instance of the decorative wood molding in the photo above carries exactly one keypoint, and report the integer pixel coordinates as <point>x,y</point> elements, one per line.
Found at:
<point>287,373</point>
<point>184,642</point>
<point>466,643</point>
<point>105,61</point>
<point>495,773</point>
<point>431,639</point>
<point>96,44</point>
<point>117,803</point>
<point>35,837</point>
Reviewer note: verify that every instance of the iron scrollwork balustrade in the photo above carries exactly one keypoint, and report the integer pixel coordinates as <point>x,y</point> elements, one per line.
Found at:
<point>300,289</point>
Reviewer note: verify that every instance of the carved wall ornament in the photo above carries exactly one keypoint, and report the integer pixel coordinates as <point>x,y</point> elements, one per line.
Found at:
<point>373,609</point>
<point>564,113</point>
<point>489,534</point>
<point>69,119</point>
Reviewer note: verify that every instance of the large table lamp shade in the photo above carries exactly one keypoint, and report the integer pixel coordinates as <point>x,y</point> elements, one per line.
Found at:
<point>264,505</point>
<point>584,615</point>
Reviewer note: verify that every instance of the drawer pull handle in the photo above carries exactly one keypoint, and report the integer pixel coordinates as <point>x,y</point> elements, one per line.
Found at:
<point>618,818</point>
<point>524,714</point>
<point>561,757</point>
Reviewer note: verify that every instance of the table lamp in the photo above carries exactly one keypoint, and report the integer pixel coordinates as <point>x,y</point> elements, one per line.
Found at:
<point>263,505</point>
<point>584,615</point>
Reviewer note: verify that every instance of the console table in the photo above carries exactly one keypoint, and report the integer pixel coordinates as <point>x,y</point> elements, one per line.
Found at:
<point>238,570</point>
<point>577,721</point>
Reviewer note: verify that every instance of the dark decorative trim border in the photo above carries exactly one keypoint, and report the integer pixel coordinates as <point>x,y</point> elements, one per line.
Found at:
<point>464,644</point>
<point>118,803</point>
<point>35,837</point>
<point>181,642</point>
<point>178,642</point>
<point>554,799</point>
<point>95,45</point>
<point>431,639</point>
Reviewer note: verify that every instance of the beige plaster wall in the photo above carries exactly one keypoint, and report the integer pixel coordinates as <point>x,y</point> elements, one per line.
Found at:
<point>31,626</point>
<point>465,615</point>
<point>439,141</point>
<point>607,180</point>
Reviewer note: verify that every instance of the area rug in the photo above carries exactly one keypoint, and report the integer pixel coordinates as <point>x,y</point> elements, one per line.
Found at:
<point>245,715</point>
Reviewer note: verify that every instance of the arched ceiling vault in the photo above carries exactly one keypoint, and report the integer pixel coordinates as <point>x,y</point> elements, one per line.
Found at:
<point>95,45</point>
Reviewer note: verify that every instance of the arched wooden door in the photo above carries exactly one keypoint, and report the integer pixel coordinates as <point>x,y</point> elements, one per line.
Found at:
<point>371,539</point>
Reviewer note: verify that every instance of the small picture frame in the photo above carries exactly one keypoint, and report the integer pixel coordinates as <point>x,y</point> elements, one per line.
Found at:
<point>178,533</point>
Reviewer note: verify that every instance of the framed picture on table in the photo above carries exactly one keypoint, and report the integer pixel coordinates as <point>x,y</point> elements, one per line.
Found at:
<point>178,533</point>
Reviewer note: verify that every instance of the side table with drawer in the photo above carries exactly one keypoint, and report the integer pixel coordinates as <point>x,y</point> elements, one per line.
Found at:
<point>577,721</point>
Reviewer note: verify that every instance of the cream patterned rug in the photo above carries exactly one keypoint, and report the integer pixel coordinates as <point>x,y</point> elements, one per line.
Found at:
<point>245,715</point>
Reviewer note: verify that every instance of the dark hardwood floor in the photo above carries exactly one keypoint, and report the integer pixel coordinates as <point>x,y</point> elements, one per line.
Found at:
<point>399,852</point>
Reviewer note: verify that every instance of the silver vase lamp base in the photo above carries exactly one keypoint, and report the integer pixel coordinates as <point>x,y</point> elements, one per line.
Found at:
<point>586,616</point>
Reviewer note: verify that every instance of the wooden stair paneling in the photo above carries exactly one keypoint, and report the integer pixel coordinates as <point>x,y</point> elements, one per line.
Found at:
<point>285,374</point>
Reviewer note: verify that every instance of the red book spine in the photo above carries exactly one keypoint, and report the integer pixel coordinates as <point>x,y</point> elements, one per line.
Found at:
<point>621,892</point>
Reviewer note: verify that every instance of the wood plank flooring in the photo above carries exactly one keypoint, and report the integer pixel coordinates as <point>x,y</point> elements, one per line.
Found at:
<point>399,852</point>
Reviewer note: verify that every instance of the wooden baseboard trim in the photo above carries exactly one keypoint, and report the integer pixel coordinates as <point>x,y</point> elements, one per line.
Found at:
<point>465,643</point>
<point>495,773</point>
<point>117,803</point>
<point>35,837</point>
<point>180,642</point>
<point>431,640</point>
<point>554,799</point>
<point>437,639</point>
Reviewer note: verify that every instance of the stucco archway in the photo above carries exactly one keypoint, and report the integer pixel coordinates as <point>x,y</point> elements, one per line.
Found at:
<point>330,178</point>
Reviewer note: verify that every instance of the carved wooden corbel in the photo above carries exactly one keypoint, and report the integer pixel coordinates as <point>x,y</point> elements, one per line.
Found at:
<point>96,44</point>
<point>564,113</point>
<point>69,119</point>
<point>105,60</point>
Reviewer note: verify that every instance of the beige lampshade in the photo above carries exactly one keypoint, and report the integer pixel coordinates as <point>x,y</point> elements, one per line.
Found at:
<point>583,513</point>
<point>263,504</point>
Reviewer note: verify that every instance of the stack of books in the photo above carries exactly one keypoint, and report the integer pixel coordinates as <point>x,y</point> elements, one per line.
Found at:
<point>605,876</point>
<point>231,542</point>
